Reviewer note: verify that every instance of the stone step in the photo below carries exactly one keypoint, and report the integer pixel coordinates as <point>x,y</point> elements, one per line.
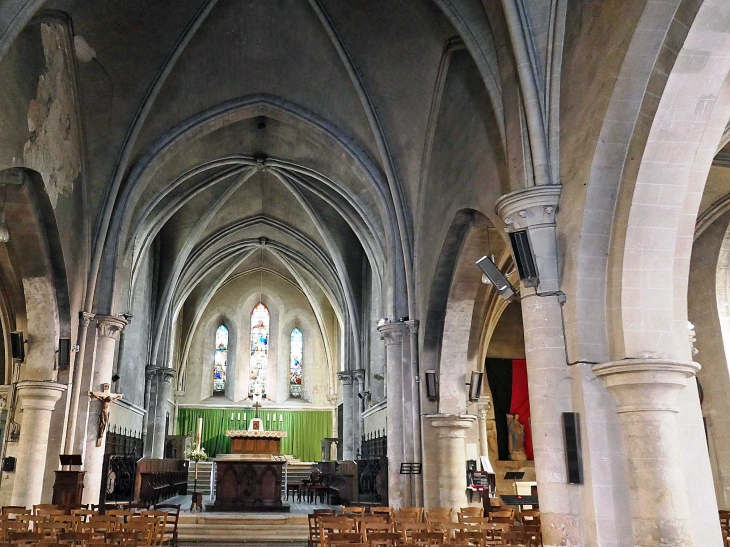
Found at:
<point>213,532</point>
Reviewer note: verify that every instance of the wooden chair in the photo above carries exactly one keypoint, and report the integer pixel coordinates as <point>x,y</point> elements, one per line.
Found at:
<point>12,510</point>
<point>385,539</point>
<point>473,524</point>
<point>173,517</point>
<point>415,514</point>
<point>407,529</point>
<point>50,530</point>
<point>124,539</point>
<point>25,538</point>
<point>343,538</point>
<point>75,538</point>
<point>440,514</point>
<point>314,537</point>
<point>471,512</point>
<point>122,515</point>
<point>448,529</point>
<point>388,511</point>
<point>30,521</point>
<point>11,526</point>
<point>142,529</point>
<point>494,531</point>
<point>85,514</point>
<point>161,518</point>
<point>428,539</point>
<point>374,527</point>
<point>530,516</point>
<point>353,511</point>
<point>71,521</point>
<point>324,512</point>
<point>503,512</point>
<point>514,538</point>
<point>477,539</point>
<point>334,525</point>
<point>44,507</point>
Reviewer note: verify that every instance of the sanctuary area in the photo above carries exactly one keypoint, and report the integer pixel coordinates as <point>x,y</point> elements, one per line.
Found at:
<point>372,273</point>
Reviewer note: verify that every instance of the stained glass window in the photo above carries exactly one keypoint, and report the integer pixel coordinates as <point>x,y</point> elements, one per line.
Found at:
<point>221,360</point>
<point>259,350</point>
<point>295,363</point>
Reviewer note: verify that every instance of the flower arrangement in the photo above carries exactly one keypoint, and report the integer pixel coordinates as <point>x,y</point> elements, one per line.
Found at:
<point>196,454</point>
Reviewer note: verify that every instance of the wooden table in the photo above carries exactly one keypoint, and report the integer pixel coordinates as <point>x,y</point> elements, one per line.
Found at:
<point>255,442</point>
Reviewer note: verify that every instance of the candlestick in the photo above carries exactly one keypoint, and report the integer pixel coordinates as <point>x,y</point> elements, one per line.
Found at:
<point>239,416</point>
<point>200,432</point>
<point>274,417</point>
<point>231,416</point>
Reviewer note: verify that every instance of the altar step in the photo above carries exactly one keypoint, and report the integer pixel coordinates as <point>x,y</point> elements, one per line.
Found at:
<point>227,529</point>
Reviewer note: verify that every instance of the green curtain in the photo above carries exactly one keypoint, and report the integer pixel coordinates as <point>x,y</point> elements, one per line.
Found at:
<point>305,428</point>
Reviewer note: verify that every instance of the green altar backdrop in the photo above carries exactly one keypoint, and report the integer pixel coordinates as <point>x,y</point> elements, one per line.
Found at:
<point>305,428</point>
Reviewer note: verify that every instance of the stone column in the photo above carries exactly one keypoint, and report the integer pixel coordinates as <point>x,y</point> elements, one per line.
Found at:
<point>108,329</point>
<point>646,392</point>
<point>348,419</point>
<point>150,372</point>
<point>357,388</point>
<point>533,209</point>
<point>393,334</point>
<point>164,390</point>
<point>37,401</point>
<point>482,412</point>
<point>451,450</point>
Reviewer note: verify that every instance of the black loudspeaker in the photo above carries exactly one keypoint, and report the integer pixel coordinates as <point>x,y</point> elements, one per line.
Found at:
<point>573,456</point>
<point>524,258</point>
<point>64,352</point>
<point>9,464</point>
<point>475,387</point>
<point>17,345</point>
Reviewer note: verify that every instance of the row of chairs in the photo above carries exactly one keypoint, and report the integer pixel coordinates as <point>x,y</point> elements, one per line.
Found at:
<point>51,525</point>
<point>406,526</point>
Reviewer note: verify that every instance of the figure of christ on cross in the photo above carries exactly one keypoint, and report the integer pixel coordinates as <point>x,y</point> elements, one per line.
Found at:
<point>105,397</point>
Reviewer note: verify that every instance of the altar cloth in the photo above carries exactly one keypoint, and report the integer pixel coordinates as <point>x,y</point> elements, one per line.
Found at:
<point>256,434</point>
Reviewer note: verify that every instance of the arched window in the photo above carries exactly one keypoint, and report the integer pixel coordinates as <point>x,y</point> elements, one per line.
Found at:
<point>221,360</point>
<point>295,363</point>
<point>259,350</point>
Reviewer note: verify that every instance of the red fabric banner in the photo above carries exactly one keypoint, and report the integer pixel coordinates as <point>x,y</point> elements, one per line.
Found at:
<point>521,401</point>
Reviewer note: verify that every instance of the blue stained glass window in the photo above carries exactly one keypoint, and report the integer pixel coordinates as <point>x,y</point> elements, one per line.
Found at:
<point>295,363</point>
<point>221,359</point>
<point>259,350</point>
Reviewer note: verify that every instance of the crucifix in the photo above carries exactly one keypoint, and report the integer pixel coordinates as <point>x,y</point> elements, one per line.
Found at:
<point>105,397</point>
<point>256,406</point>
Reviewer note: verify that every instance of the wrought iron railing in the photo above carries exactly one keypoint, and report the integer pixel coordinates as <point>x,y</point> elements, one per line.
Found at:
<point>374,445</point>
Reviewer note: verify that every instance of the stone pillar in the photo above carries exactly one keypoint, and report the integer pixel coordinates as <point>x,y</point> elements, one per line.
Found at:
<point>150,372</point>
<point>357,388</point>
<point>37,401</point>
<point>482,413</point>
<point>164,390</point>
<point>348,420</point>
<point>393,334</point>
<point>646,392</point>
<point>533,209</point>
<point>451,450</point>
<point>108,329</point>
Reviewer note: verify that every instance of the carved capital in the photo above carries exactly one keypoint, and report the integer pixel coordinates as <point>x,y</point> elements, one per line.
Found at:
<point>412,325</point>
<point>150,371</point>
<point>392,333</point>
<point>166,374</point>
<point>482,412</point>
<point>86,318</point>
<point>345,378</point>
<point>535,206</point>
<point>110,326</point>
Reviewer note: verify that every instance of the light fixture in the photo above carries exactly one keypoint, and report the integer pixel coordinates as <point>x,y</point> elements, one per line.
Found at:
<point>431,385</point>
<point>475,386</point>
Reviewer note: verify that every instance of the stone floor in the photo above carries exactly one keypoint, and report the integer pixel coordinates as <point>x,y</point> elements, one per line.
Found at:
<point>228,528</point>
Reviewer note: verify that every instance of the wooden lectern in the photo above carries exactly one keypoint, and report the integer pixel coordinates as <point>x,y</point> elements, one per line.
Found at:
<point>69,485</point>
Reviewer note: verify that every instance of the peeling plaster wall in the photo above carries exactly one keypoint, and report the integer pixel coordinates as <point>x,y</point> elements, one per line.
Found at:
<point>43,329</point>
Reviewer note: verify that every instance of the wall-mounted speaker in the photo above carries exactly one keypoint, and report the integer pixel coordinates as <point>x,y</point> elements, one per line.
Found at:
<point>64,352</point>
<point>17,346</point>
<point>9,464</point>
<point>524,258</point>
<point>573,456</point>
<point>475,386</point>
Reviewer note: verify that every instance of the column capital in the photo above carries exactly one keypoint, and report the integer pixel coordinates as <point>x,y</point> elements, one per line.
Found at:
<point>86,318</point>
<point>482,412</point>
<point>451,425</point>
<point>392,333</point>
<point>412,325</point>
<point>345,377</point>
<point>645,385</point>
<point>358,374</point>
<point>529,207</point>
<point>150,371</point>
<point>166,374</point>
<point>39,395</point>
<point>110,325</point>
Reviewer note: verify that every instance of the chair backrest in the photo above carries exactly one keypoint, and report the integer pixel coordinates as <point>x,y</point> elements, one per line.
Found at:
<point>331,525</point>
<point>346,538</point>
<point>384,539</point>
<point>407,529</point>
<point>471,512</point>
<point>473,523</point>
<point>502,520</point>
<point>16,510</point>
<point>161,518</point>
<point>439,514</point>
<point>44,507</point>
<point>503,512</point>
<point>427,538</point>
<point>75,538</point>
<point>25,537</point>
<point>313,529</point>
<point>471,538</point>
<point>415,513</point>
<point>446,528</point>
<point>353,511</point>
<point>324,512</point>
<point>52,529</point>
<point>374,527</point>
